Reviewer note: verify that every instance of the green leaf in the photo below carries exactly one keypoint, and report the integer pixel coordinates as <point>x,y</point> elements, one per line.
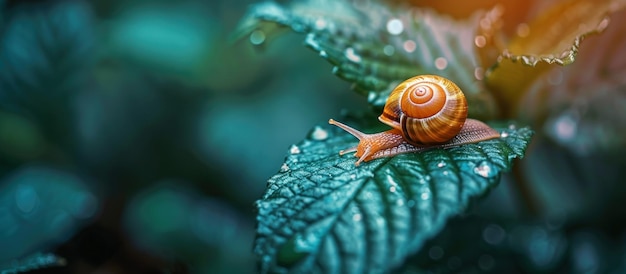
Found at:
<point>320,213</point>
<point>33,262</point>
<point>45,56</point>
<point>376,46</point>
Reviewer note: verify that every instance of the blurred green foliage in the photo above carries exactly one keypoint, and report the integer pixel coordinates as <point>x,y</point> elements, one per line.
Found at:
<point>146,108</point>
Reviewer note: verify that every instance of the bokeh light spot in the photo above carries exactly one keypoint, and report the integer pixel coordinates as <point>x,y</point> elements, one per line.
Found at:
<point>257,37</point>
<point>395,26</point>
<point>409,46</point>
<point>441,63</point>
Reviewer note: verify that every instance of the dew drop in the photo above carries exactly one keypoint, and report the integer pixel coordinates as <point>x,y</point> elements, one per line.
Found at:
<point>319,134</point>
<point>395,26</point>
<point>294,149</point>
<point>441,164</point>
<point>511,126</point>
<point>392,189</point>
<point>504,134</point>
<point>320,24</point>
<point>353,177</point>
<point>357,217</point>
<point>425,196</point>
<point>435,252</point>
<point>257,37</point>
<point>446,173</point>
<point>323,54</point>
<point>409,46</point>
<point>484,170</point>
<point>427,177</point>
<point>284,168</point>
<point>441,63</point>
<point>389,50</point>
<point>352,56</point>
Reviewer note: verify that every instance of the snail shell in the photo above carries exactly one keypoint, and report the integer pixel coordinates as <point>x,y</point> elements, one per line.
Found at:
<point>429,109</point>
<point>425,112</point>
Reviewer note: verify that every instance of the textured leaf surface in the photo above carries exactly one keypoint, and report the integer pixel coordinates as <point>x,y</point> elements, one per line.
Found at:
<point>376,47</point>
<point>582,105</point>
<point>322,214</point>
<point>553,37</point>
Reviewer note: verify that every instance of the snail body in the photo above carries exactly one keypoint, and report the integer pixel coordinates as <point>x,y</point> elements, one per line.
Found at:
<point>425,112</point>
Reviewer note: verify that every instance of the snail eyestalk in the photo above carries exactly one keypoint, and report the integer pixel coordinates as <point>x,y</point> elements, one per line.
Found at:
<point>369,144</point>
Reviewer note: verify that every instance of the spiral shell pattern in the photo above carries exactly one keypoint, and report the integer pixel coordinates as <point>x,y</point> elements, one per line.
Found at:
<point>429,109</point>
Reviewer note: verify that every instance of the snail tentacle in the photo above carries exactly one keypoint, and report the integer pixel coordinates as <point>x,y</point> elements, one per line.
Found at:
<point>369,144</point>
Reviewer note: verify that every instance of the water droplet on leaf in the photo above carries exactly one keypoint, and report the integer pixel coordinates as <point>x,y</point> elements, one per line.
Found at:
<point>425,196</point>
<point>284,168</point>
<point>352,55</point>
<point>484,170</point>
<point>441,164</point>
<point>294,149</point>
<point>320,24</point>
<point>356,217</point>
<point>319,134</point>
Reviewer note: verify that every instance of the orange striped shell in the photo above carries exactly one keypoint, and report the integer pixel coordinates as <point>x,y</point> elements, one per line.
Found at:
<point>429,109</point>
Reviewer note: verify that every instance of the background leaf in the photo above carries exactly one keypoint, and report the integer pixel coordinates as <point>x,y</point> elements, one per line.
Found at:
<point>550,38</point>
<point>45,58</point>
<point>323,214</point>
<point>32,263</point>
<point>581,106</point>
<point>377,46</point>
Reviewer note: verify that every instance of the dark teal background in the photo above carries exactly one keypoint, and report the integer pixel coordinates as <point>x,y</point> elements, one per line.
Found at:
<point>136,135</point>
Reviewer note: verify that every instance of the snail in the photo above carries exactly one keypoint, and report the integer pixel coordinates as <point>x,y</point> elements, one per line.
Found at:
<point>425,112</point>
